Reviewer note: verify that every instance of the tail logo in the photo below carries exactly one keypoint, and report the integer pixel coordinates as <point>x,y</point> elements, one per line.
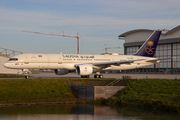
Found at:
<point>150,48</point>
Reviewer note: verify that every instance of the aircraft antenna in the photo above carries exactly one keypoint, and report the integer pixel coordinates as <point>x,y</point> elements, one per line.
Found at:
<point>52,34</point>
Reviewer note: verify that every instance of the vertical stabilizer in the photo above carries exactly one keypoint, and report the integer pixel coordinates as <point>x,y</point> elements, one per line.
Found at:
<point>149,47</point>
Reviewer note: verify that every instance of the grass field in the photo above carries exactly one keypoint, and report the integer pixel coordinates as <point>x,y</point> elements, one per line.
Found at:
<point>41,90</point>
<point>34,90</point>
<point>10,76</point>
<point>150,93</point>
<point>147,93</point>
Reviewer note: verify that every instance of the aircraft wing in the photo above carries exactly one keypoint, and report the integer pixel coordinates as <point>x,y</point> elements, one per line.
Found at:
<point>106,64</point>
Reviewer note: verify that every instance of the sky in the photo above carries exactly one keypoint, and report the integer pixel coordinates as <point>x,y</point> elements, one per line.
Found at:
<point>98,22</point>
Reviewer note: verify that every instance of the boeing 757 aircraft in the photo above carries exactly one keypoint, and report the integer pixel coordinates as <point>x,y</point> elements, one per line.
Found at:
<point>85,65</point>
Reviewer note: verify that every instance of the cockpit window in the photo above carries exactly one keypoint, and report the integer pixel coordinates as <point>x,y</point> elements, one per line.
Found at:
<point>13,59</point>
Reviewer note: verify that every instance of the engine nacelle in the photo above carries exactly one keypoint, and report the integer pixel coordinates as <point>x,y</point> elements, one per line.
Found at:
<point>61,71</point>
<point>84,70</point>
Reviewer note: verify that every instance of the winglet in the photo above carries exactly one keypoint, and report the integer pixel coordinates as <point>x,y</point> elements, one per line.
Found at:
<point>149,47</point>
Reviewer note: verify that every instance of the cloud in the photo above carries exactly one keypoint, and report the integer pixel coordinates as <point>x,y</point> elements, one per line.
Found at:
<point>18,18</point>
<point>103,13</point>
<point>98,22</point>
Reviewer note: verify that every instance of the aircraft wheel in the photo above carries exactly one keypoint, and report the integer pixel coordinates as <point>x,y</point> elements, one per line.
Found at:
<point>100,76</point>
<point>27,77</point>
<point>95,76</point>
<point>84,76</point>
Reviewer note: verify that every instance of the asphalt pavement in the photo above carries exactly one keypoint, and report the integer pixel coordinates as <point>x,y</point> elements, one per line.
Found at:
<point>134,76</point>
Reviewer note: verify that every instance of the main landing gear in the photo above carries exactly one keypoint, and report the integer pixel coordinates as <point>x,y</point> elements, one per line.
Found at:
<point>85,76</point>
<point>95,76</point>
<point>98,76</point>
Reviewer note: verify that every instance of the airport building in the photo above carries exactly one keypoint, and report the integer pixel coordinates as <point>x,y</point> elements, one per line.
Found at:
<point>168,47</point>
<point>5,54</point>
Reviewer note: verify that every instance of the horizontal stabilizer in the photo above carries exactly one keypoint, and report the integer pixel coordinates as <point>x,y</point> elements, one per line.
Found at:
<point>155,60</point>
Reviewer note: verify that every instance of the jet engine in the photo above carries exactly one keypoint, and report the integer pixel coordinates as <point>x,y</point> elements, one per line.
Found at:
<point>84,70</point>
<point>61,71</point>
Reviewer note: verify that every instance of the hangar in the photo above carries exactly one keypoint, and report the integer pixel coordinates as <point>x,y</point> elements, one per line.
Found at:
<point>168,46</point>
<point>5,54</point>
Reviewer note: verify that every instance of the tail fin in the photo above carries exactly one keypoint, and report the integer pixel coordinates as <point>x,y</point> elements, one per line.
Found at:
<point>149,47</point>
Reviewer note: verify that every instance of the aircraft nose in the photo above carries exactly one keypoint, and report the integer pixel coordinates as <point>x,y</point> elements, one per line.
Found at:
<point>6,65</point>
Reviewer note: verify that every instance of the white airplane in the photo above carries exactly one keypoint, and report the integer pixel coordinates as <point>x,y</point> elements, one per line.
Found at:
<point>85,65</point>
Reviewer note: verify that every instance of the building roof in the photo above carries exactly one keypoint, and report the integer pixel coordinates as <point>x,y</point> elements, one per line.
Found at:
<point>173,30</point>
<point>133,31</point>
<point>4,56</point>
<point>142,30</point>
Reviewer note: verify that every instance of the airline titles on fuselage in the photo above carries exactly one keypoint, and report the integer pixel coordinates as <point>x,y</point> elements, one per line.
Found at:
<point>78,56</point>
<point>83,58</point>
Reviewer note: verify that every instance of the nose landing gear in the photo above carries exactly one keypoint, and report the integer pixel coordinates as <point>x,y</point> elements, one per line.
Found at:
<point>27,77</point>
<point>26,73</point>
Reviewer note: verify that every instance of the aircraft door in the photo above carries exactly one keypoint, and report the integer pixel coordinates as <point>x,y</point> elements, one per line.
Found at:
<point>60,59</point>
<point>26,58</point>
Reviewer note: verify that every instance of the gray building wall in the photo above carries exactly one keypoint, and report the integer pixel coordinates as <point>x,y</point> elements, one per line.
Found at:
<point>106,91</point>
<point>4,70</point>
<point>95,92</point>
<point>168,47</point>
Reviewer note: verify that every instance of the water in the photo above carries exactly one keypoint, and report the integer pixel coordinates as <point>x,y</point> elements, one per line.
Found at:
<point>81,112</point>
